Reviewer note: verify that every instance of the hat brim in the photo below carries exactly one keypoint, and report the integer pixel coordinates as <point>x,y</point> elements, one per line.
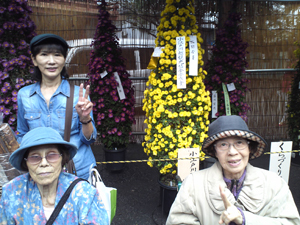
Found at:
<point>249,135</point>
<point>17,156</point>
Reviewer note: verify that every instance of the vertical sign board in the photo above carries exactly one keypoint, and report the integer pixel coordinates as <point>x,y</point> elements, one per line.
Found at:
<point>214,104</point>
<point>193,66</point>
<point>280,162</point>
<point>181,62</point>
<point>189,165</point>
<point>120,87</point>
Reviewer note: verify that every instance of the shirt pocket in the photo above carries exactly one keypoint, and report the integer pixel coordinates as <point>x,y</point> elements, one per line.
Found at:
<point>33,119</point>
<point>61,113</point>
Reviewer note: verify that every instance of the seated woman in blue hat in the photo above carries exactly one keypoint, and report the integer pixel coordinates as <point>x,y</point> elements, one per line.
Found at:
<point>32,197</point>
<point>232,191</point>
<point>44,102</point>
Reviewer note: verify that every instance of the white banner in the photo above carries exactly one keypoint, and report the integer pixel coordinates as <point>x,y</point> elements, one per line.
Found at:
<point>157,52</point>
<point>193,66</point>
<point>187,166</point>
<point>214,104</point>
<point>120,87</point>
<point>181,62</point>
<point>231,87</point>
<point>103,74</point>
<point>280,162</point>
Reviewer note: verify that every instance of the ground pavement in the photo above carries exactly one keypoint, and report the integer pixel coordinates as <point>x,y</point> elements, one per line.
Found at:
<point>138,200</point>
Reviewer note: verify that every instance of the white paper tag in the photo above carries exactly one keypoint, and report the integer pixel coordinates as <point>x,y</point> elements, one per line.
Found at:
<point>181,62</point>
<point>280,162</point>
<point>187,166</point>
<point>157,52</point>
<point>193,66</point>
<point>214,104</point>
<point>230,87</point>
<point>103,74</point>
<point>120,87</point>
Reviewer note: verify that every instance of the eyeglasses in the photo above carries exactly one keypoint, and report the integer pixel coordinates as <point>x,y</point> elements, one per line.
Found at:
<point>35,159</point>
<point>238,145</point>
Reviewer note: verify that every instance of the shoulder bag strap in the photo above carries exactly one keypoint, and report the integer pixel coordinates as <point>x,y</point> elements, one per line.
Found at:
<point>68,116</point>
<point>62,201</point>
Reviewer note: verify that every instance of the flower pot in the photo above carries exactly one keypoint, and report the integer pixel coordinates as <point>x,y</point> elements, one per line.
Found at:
<point>117,154</point>
<point>167,196</point>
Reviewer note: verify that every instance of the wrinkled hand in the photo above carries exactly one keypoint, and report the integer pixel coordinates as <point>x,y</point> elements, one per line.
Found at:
<point>231,214</point>
<point>84,106</point>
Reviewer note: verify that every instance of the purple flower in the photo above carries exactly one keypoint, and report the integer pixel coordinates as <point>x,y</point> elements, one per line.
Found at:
<point>2,9</point>
<point>14,99</point>
<point>110,115</point>
<point>15,106</point>
<point>115,98</point>
<point>12,51</point>
<point>5,44</point>
<point>6,111</point>
<point>117,119</point>
<point>4,90</point>
<point>22,42</point>
<point>119,133</point>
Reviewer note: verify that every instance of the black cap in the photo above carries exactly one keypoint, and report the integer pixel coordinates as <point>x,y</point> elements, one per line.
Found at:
<point>39,38</point>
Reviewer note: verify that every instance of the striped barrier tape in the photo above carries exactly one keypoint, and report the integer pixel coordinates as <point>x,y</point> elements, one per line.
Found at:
<point>162,160</point>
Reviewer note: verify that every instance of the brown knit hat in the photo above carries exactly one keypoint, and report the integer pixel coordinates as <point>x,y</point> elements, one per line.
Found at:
<point>232,126</point>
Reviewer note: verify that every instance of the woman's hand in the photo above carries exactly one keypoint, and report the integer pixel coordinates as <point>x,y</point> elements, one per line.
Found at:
<point>84,106</point>
<point>231,214</point>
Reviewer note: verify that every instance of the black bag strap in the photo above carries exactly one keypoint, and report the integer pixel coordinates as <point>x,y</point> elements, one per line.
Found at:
<point>68,116</point>
<point>62,201</point>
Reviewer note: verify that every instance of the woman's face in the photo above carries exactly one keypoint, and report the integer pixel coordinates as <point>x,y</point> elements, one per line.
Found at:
<point>233,155</point>
<point>50,63</point>
<point>44,172</point>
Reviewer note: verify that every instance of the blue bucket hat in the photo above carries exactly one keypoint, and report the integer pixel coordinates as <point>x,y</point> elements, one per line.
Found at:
<point>232,126</point>
<point>39,38</point>
<point>36,137</point>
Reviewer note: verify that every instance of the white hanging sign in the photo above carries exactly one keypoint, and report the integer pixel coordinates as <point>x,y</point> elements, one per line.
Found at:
<point>157,51</point>
<point>280,162</point>
<point>193,66</point>
<point>120,87</point>
<point>187,166</point>
<point>181,62</point>
<point>231,87</point>
<point>214,104</point>
<point>103,74</point>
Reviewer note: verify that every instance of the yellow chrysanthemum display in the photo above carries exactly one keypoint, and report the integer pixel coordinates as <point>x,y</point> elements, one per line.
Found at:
<point>176,118</point>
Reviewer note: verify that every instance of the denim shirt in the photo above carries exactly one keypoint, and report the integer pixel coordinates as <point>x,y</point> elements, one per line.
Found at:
<point>33,112</point>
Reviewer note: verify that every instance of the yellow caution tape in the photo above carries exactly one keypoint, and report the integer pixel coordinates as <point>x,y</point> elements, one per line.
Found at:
<point>162,160</point>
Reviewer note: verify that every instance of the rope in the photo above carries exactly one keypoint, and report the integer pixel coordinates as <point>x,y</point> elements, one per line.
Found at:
<point>175,159</point>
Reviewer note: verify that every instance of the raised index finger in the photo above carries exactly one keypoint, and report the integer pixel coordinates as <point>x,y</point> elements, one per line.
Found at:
<point>224,198</point>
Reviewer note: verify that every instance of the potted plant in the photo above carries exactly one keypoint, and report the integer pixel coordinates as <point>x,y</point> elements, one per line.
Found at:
<point>226,66</point>
<point>111,90</point>
<point>176,118</point>
<point>16,31</point>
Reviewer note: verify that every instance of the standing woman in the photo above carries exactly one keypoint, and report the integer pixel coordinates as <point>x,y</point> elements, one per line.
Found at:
<point>44,103</point>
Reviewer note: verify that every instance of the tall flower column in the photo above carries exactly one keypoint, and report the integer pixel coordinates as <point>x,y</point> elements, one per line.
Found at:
<point>16,31</point>
<point>176,117</point>
<point>111,90</point>
<point>226,67</point>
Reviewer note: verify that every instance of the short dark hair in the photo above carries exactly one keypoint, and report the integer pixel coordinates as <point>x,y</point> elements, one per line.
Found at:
<point>65,154</point>
<point>51,46</point>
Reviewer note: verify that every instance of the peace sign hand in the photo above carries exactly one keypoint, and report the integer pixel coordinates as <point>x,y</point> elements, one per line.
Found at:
<point>231,214</point>
<point>84,106</point>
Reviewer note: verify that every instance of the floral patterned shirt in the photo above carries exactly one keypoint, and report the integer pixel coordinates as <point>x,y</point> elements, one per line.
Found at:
<point>21,203</point>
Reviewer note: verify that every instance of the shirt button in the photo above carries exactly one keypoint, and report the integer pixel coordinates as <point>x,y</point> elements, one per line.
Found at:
<point>31,117</point>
